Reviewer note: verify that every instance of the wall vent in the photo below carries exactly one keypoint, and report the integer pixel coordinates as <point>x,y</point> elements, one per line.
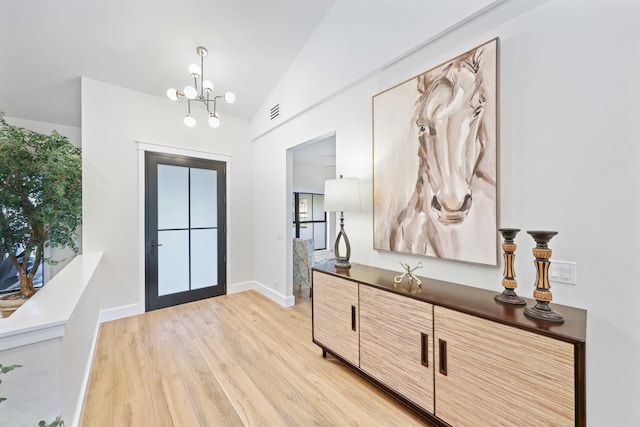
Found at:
<point>275,111</point>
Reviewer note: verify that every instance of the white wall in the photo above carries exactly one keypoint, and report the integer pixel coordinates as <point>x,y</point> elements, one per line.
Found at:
<point>78,346</point>
<point>568,155</point>
<point>32,391</point>
<point>113,119</point>
<point>354,38</point>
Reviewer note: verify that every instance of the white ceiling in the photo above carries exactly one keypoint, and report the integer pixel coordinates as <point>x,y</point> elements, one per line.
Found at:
<point>145,45</point>
<point>320,153</point>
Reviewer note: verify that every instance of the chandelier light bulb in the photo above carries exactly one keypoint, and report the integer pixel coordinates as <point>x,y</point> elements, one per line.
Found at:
<point>189,121</point>
<point>229,97</point>
<point>214,120</point>
<point>194,70</point>
<point>190,92</point>
<point>207,85</point>
<point>172,94</point>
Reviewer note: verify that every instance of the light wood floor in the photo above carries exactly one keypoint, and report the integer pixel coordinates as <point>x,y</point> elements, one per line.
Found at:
<point>234,360</point>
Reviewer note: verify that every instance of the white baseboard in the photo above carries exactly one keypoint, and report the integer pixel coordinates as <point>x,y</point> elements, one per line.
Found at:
<point>241,287</point>
<point>275,296</point>
<point>121,312</point>
<point>135,309</point>
<point>264,290</point>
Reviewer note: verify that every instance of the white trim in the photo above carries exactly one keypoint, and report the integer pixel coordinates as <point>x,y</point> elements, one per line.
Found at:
<point>142,298</point>
<point>85,378</point>
<point>32,335</point>
<point>178,151</point>
<point>121,312</point>
<point>285,301</point>
<point>241,287</point>
<point>142,148</point>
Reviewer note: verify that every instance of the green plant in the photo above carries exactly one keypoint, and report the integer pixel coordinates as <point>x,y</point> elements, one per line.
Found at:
<point>40,197</point>
<point>4,370</point>
<point>56,423</point>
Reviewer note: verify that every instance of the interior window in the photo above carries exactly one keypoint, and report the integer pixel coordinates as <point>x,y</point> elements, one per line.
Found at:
<point>310,219</point>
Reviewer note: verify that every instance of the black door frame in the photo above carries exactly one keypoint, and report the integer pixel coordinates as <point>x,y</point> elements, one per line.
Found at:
<point>152,300</point>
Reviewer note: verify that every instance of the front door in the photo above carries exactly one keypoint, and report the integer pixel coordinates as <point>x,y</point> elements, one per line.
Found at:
<point>185,230</point>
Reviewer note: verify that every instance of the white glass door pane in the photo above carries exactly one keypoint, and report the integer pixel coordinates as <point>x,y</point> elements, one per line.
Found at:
<point>319,236</point>
<point>204,258</point>
<point>173,197</point>
<point>173,262</point>
<point>318,207</point>
<point>306,231</point>
<point>304,207</point>
<point>204,196</point>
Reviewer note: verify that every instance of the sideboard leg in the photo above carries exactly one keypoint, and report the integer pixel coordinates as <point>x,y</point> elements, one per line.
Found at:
<point>324,353</point>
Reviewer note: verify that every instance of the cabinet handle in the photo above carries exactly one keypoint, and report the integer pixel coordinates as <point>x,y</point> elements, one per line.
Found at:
<point>424,349</point>
<point>443,356</point>
<point>353,317</point>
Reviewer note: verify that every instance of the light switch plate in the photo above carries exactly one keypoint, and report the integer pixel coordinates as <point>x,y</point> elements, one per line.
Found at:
<point>563,272</point>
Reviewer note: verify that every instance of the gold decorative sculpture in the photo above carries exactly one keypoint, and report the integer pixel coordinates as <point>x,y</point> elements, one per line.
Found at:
<point>542,292</point>
<point>408,273</point>
<point>509,296</point>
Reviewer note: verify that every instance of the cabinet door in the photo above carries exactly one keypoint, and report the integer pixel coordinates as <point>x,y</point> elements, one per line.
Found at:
<point>396,343</point>
<point>494,374</point>
<point>335,316</point>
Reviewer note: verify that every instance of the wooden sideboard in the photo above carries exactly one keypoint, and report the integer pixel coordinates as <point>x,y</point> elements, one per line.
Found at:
<point>451,352</point>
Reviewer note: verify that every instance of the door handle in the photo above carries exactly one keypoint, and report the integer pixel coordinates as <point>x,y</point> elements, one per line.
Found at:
<point>353,317</point>
<point>424,349</point>
<point>443,357</point>
<point>153,245</point>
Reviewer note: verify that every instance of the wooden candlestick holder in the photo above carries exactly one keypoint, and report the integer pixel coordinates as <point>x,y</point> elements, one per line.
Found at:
<point>509,296</point>
<point>542,292</point>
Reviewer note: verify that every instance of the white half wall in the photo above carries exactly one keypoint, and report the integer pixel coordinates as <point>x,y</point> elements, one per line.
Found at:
<point>113,119</point>
<point>568,159</point>
<point>53,337</point>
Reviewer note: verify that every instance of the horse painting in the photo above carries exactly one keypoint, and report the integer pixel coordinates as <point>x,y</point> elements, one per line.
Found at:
<point>435,161</point>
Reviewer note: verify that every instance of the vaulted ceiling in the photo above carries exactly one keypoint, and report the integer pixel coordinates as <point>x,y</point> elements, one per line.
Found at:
<point>145,45</point>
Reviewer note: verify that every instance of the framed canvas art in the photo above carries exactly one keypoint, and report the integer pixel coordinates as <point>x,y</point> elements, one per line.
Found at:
<point>435,147</point>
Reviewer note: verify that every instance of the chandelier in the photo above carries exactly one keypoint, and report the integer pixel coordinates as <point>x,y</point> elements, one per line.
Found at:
<point>200,93</point>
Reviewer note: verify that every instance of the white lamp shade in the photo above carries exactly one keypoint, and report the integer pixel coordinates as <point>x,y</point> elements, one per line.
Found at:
<point>342,194</point>
<point>194,70</point>
<point>207,85</point>
<point>172,94</point>
<point>189,121</point>
<point>214,121</point>
<point>229,97</point>
<point>190,92</point>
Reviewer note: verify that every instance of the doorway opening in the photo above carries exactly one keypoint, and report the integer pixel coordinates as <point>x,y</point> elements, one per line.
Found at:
<point>311,164</point>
